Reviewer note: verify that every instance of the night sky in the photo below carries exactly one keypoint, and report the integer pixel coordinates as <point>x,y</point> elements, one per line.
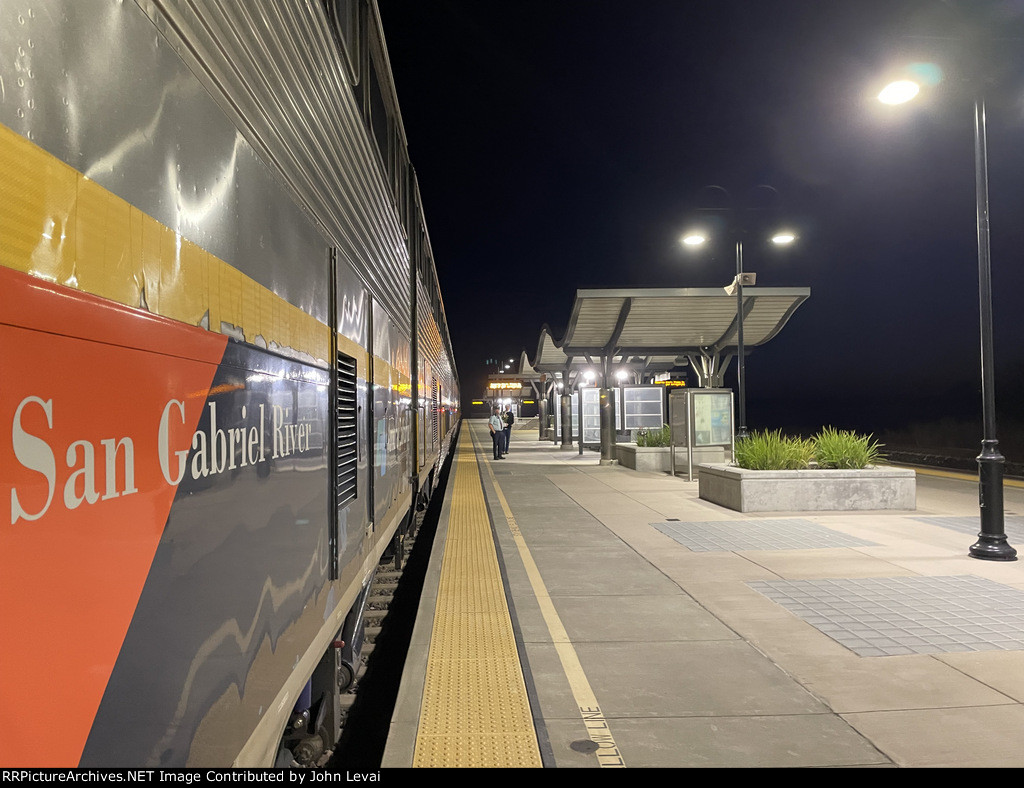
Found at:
<point>564,144</point>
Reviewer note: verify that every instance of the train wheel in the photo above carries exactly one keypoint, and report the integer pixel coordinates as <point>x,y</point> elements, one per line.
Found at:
<point>346,675</point>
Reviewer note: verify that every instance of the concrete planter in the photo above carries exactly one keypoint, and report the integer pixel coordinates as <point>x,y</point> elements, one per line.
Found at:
<point>659,458</point>
<point>643,458</point>
<point>807,491</point>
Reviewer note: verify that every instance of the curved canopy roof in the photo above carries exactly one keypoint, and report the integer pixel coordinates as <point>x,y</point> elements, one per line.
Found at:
<point>676,321</point>
<point>661,327</point>
<point>551,358</point>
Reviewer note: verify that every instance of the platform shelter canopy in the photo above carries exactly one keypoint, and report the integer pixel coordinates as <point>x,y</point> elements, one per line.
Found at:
<point>663,326</point>
<point>552,359</point>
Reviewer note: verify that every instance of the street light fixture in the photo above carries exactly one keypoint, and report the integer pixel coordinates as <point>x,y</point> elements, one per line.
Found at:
<point>991,544</point>
<point>899,92</point>
<point>698,238</point>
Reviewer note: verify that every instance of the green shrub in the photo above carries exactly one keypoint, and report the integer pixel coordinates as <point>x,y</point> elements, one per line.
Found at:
<point>830,448</point>
<point>773,451</point>
<point>845,449</point>
<point>661,437</point>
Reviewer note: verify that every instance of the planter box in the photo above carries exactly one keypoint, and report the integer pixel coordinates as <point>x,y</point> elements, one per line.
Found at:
<point>643,458</point>
<point>659,458</point>
<point>808,491</point>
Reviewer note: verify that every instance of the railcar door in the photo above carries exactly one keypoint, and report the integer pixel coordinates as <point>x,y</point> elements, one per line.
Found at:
<point>353,483</point>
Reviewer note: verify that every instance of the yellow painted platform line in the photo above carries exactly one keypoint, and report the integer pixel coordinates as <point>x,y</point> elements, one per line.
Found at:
<point>967,477</point>
<point>475,710</point>
<point>606,749</point>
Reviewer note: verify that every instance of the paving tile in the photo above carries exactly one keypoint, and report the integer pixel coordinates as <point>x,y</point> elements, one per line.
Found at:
<point>1013,526</point>
<point>903,615</point>
<point>760,534</point>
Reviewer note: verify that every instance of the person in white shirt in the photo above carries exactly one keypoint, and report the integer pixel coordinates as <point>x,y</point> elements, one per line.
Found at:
<point>497,433</point>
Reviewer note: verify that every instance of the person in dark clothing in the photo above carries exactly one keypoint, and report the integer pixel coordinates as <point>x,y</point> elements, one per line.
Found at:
<point>509,419</point>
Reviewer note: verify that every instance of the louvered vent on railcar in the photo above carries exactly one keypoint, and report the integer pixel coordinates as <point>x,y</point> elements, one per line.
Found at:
<point>345,415</point>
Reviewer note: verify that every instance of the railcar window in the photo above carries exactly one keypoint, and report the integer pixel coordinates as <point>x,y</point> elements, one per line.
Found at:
<point>412,209</point>
<point>423,252</point>
<point>401,181</point>
<point>378,113</point>
<point>345,426</point>
<point>344,16</point>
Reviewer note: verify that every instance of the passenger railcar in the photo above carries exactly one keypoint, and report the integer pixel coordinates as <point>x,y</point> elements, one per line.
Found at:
<point>225,374</point>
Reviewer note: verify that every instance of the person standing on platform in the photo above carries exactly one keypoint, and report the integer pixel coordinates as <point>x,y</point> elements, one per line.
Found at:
<point>497,433</point>
<point>509,419</point>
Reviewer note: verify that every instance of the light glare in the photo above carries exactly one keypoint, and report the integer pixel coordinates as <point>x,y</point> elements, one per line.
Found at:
<point>693,239</point>
<point>783,238</point>
<point>899,92</point>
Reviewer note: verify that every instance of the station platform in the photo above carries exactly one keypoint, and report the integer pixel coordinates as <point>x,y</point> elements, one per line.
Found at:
<point>588,616</point>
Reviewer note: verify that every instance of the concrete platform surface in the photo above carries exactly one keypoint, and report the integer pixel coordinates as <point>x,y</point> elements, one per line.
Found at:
<point>660,630</point>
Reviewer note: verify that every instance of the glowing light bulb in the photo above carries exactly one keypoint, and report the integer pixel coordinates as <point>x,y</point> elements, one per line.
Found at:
<point>899,92</point>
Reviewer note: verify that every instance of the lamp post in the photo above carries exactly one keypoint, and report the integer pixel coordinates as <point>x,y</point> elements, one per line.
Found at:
<point>741,361</point>
<point>698,238</point>
<point>991,544</point>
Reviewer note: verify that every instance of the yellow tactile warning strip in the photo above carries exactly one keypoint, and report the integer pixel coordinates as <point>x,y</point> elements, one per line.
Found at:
<point>475,710</point>
<point>607,751</point>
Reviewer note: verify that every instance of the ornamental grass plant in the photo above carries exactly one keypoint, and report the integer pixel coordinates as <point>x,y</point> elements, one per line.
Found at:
<point>773,451</point>
<point>660,437</point>
<point>830,448</point>
<point>845,449</point>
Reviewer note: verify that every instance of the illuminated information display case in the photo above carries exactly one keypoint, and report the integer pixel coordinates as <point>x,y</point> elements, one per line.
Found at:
<point>574,408</point>
<point>592,414</point>
<point>702,424</point>
<point>643,407</point>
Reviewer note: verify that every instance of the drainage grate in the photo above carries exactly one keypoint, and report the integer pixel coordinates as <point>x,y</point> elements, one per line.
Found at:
<point>882,617</point>
<point>762,534</point>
